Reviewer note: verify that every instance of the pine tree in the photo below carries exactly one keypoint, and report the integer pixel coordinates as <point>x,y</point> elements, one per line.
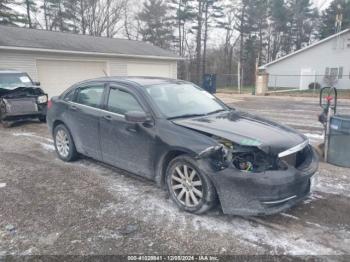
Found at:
<point>8,16</point>
<point>328,18</point>
<point>278,28</point>
<point>183,14</point>
<point>71,16</point>
<point>31,10</point>
<point>213,12</point>
<point>157,27</point>
<point>301,23</point>
<point>61,15</point>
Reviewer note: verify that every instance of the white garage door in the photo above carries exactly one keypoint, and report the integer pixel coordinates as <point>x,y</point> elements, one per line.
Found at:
<point>150,69</point>
<point>57,75</point>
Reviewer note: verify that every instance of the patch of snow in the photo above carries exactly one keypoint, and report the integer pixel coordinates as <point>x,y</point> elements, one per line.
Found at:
<point>312,197</point>
<point>314,224</point>
<point>2,185</point>
<point>48,147</point>
<point>25,134</point>
<point>290,216</point>
<point>154,209</point>
<point>334,188</point>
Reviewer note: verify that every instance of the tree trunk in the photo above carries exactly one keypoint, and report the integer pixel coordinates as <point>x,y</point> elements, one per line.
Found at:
<point>45,15</point>
<point>205,39</point>
<point>60,17</point>
<point>108,18</point>
<point>82,14</point>
<point>179,29</point>
<point>199,42</point>
<point>241,46</point>
<point>28,14</point>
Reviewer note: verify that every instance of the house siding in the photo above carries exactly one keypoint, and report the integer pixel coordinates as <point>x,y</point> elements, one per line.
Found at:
<point>334,53</point>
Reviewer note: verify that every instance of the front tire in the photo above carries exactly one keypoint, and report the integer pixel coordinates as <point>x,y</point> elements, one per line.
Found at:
<point>5,124</point>
<point>190,189</point>
<point>64,144</point>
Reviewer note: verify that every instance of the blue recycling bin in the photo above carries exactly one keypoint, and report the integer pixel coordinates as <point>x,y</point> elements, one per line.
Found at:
<point>209,83</point>
<point>339,141</point>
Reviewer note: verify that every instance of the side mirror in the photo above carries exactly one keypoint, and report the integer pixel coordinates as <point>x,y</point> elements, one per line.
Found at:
<point>37,83</point>
<point>136,117</point>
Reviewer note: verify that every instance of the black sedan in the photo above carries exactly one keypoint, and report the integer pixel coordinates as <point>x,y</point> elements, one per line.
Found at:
<point>20,98</point>
<point>188,141</point>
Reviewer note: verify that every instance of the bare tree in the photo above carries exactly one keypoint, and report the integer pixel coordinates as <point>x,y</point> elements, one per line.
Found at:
<point>132,23</point>
<point>199,40</point>
<point>104,17</point>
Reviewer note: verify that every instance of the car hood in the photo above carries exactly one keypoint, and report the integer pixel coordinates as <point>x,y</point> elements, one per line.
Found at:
<point>21,92</point>
<point>247,130</point>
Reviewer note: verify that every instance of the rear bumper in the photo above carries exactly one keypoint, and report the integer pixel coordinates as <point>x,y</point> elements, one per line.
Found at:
<point>254,194</point>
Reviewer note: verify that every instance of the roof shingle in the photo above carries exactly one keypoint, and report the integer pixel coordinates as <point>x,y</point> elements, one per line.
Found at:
<point>42,39</point>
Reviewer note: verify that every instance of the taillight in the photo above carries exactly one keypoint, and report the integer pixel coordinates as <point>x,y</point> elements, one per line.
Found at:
<point>49,104</point>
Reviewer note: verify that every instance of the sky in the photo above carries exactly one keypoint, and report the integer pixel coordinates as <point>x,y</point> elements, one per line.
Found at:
<point>216,35</point>
<point>322,4</point>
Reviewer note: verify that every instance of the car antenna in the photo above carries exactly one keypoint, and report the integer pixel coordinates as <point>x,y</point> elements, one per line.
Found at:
<point>104,71</point>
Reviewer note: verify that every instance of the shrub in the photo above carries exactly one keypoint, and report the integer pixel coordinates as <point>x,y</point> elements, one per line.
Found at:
<point>314,85</point>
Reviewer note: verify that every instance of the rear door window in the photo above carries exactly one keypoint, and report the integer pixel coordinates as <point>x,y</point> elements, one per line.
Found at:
<point>90,95</point>
<point>120,102</point>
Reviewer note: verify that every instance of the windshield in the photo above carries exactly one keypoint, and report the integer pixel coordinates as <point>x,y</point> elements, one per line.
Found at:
<point>13,80</point>
<point>181,100</point>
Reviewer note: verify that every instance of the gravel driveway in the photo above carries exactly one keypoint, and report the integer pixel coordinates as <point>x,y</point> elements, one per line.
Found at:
<point>51,207</point>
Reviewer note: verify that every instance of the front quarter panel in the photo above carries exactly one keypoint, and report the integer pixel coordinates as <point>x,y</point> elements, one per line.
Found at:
<point>174,138</point>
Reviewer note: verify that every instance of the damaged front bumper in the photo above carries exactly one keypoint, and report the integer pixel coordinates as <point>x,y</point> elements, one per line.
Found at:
<point>21,108</point>
<point>265,193</point>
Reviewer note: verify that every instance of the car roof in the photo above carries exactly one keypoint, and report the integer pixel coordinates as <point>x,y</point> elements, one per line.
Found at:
<point>11,71</point>
<point>139,80</point>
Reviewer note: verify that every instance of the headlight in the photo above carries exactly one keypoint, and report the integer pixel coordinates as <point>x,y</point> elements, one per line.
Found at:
<point>42,99</point>
<point>253,160</point>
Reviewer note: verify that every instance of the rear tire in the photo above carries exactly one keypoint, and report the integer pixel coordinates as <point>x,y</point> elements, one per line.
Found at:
<point>42,119</point>
<point>190,189</point>
<point>64,144</point>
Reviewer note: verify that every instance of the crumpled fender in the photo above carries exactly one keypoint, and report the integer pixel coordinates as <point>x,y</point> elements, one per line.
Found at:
<point>32,90</point>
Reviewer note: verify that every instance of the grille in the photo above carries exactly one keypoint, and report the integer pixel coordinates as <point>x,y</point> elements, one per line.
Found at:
<point>16,106</point>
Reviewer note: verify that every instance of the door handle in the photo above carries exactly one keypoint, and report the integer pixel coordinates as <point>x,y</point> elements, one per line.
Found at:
<point>74,108</point>
<point>108,118</point>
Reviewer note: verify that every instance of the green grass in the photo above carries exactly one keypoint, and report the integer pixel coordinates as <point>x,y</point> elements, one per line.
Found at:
<point>234,89</point>
<point>342,94</point>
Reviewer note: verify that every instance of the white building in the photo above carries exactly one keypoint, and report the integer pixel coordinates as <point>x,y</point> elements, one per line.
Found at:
<point>58,60</point>
<point>328,57</point>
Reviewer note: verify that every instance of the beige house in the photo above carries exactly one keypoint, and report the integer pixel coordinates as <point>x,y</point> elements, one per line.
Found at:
<point>58,60</point>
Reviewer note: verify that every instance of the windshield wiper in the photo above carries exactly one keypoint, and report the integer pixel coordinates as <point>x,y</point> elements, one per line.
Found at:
<point>185,116</point>
<point>216,111</point>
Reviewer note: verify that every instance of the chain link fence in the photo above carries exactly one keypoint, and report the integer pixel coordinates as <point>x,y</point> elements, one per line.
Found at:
<point>230,83</point>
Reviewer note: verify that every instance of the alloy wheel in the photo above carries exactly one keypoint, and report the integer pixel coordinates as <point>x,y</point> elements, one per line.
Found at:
<point>62,143</point>
<point>187,185</point>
